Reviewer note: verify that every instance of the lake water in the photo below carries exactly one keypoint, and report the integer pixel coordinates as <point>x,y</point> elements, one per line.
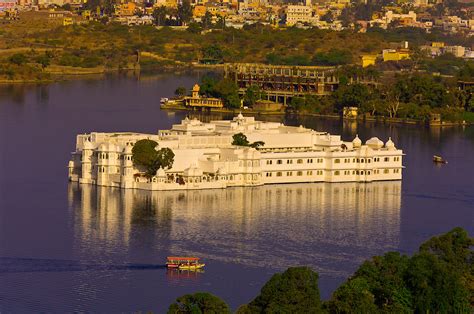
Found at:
<point>70,248</point>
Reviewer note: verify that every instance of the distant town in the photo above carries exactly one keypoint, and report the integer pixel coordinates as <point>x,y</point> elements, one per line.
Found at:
<point>451,17</point>
<point>408,60</point>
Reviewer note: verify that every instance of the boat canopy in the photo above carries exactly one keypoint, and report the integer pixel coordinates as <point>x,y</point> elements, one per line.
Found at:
<point>181,258</point>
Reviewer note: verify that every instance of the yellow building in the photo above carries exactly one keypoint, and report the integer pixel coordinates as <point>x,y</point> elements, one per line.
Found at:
<point>67,21</point>
<point>86,14</point>
<point>395,55</point>
<point>437,44</point>
<point>199,11</point>
<point>368,60</point>
<point>197,101</point>
<point>126,9</point>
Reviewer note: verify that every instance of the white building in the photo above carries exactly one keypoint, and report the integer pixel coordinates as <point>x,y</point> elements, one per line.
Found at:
<point>205,157</point>
<point>300,14</point>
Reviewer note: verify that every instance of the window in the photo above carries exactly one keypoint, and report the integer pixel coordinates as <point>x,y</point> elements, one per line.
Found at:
<point>320,160</point>
<point>278,174</point>
<point>396,170</point>
<point>336,172</point>
<point>386,171</point>
<point>268,174</point>
<point>396,158</point>
<point>319,172</point>
<point>368,160</point>
<point>289,173</point>
<point>362,172</point>
<point>289,161</point>
<point>299,161</point>
<point>362,160</point>
<point>386,159</point>
<point>309,173</point>
<point>269,162</point>
<point>279,161</point>
<point>299,173</point>
<point>337,161</point>
<point>310,161</point>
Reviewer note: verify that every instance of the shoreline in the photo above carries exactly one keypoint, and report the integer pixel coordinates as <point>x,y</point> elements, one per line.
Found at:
<point>385,120</point>
<point>70,74</point>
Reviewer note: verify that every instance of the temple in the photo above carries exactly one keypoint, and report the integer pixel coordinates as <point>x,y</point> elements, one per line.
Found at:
<point>206,158</point>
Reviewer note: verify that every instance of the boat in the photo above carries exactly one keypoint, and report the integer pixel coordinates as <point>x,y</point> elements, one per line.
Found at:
<point>439,159</point>
<point>184,263</point>
<point>164,100</point>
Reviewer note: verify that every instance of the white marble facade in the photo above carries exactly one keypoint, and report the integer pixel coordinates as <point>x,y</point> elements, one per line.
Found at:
<point>205,157</point>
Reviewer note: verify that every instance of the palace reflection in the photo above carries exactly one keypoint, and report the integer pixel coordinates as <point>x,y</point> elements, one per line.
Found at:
<point>320,224</point>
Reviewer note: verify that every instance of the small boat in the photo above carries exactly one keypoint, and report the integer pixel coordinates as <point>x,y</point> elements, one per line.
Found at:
<point>439,159</point>
<point>164,100</point>
<point>184,263</point>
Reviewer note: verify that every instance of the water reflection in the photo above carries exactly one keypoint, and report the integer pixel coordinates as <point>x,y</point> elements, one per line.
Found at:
<point>274,226</point>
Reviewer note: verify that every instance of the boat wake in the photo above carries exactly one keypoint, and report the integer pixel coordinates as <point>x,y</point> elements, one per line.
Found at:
<point>22,265</point>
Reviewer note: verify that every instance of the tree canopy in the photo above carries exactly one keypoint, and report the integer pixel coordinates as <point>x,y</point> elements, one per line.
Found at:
<point>294,291</point>
<point>198,303</point>
<point>144,154</point>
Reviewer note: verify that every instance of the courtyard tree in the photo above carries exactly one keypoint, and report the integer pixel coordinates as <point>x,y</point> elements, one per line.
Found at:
<point>240,139</point>
<point>144,154</point>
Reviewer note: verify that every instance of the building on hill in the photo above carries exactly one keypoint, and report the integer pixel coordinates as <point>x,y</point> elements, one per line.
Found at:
<point>368,60</point>
<point>395,55</point>
<point>205,157</point>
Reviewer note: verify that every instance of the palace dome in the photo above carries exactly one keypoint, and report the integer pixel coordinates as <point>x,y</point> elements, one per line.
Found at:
<point>374,142</point>
<point>356,142</point>
<point>161,173</point>
<point>390,144</point>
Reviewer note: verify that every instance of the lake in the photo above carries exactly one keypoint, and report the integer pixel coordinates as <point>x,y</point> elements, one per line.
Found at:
<point>71,248</point>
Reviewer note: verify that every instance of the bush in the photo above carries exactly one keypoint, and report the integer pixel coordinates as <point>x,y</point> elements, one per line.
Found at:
<point>18,59</point>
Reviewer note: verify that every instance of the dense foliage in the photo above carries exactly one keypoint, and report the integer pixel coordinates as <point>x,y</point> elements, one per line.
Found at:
<point>198,303</point>
<point>294,291</point>
<point>144,154</point>
<point>438,279</point>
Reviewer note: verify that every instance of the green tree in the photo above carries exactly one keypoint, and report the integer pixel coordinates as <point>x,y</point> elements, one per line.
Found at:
<point>240,139</point>
<point>252,94</point>
<point>436,287</point>
<point>198,303</point>
<point>180,91</point>
<point>228,91</point>
<point>354,296</point>
<point>354,95</point>
<point>159,15</point>
<point>44,60</point>
<point>185,12</point>
<point>144,154</point>
<point>294,291</point>
<point>18,59</point>
<point>165,158</point>
<point>207,20</point>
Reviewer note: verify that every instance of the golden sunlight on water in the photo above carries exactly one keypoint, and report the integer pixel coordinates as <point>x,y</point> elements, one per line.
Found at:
<point>269,226</point>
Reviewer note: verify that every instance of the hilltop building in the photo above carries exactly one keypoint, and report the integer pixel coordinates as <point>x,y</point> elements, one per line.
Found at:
<point>205,157</point>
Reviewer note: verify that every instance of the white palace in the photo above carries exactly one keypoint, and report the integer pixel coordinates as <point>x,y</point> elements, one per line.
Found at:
<point>205,157</point>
